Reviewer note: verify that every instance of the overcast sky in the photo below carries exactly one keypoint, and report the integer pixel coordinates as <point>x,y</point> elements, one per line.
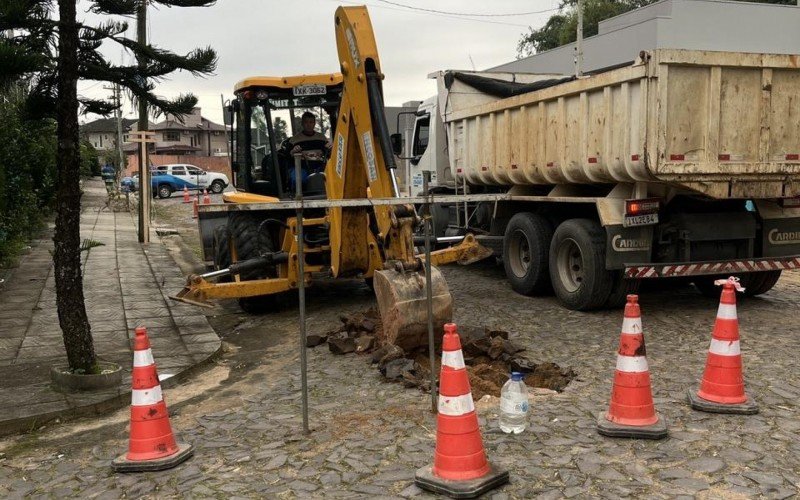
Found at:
<point>289,37</point>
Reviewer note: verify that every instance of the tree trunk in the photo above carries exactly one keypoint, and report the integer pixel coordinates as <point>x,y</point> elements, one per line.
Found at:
<point>67,256</point>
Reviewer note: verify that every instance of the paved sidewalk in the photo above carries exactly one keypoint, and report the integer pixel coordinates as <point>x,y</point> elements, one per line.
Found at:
<point>126,285</point>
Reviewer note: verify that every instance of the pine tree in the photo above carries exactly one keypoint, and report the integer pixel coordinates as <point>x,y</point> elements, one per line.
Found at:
<point>52,49</point>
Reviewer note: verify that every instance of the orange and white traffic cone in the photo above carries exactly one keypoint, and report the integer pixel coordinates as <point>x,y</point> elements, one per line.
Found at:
<point>186,198</point>
<point>194,208</point>
<point>722,386</point>
<point>631,412</point>
<point>152,445</point>
<point>460,468</point>
<point>206,197</point>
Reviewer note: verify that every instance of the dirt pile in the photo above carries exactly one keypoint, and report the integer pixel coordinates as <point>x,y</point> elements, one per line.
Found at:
<point>358,333</point>
<point>489,355</point>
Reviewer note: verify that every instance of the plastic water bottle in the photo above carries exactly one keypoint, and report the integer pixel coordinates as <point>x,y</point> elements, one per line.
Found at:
<point>514,405</point>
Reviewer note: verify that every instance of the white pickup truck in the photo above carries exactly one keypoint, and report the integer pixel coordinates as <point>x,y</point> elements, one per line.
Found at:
<point>167,179</point>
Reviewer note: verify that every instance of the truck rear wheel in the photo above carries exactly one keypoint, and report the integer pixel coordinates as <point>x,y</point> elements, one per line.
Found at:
<point>526,252</point>
<point>761,282</point>
<point>754,284</point>
<point>578,265</point>
<point>620,289</point>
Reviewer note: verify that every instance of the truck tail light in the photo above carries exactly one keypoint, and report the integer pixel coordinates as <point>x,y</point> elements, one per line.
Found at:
<point>642,207</point>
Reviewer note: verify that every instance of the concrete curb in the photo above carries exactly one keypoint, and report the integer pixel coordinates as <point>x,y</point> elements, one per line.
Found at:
<point>120,400</point>
<point>69,406</point>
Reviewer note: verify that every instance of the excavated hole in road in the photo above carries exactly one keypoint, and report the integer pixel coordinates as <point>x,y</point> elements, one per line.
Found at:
<point>489,355</point>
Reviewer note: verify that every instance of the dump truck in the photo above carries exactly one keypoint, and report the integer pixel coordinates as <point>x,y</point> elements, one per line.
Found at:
<point>354,223</point>
<point>683,164</point>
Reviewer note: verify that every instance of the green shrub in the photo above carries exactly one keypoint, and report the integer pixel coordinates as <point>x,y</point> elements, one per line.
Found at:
<point>90,160</point>
<point>27,173</point>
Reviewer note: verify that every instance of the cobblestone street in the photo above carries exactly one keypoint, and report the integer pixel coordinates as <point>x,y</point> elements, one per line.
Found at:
<point>369,436</point>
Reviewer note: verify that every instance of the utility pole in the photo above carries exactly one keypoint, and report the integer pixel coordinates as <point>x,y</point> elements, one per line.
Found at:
<point>579,42</point>
<point>144,172</point>
<point>120,153</point>
<point>116,97</point>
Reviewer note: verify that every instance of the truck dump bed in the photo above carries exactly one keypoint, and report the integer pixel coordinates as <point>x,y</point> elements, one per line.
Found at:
<point>724,124</point>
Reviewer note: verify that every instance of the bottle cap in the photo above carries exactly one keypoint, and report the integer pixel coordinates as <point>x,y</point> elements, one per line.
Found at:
<point>516,376</point>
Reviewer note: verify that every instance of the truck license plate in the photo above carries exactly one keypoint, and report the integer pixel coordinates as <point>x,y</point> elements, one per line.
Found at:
<point>639,220</point>
<point>307,90</point>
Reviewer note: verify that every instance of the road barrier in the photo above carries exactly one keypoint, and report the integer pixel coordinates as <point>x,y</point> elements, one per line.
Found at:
<point>152,445</point>
<point>722,386</point>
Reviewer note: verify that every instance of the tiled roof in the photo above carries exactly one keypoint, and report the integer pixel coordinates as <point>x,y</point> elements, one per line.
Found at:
<point>176,125</point>
<point>106,125</point>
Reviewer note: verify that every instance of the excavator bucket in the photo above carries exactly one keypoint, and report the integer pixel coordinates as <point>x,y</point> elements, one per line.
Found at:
<point>402,302</point>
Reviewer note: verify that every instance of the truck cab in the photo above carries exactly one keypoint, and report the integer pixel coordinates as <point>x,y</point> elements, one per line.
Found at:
<point>427,151</point>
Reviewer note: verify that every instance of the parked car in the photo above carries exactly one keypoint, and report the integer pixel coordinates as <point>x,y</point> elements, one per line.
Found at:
<point>166,179</point>
<point>127,184</point>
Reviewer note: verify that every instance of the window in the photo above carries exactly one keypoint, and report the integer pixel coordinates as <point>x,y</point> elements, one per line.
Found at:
<point>421,130</point>
<point>180,170</point>
<point>162,169</point>
<point>194,170</point>
<point>172,136</point>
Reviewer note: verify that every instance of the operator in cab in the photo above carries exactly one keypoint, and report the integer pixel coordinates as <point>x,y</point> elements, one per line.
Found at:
<point>314,147</point>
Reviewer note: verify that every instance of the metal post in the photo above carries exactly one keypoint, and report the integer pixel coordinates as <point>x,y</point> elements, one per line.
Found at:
<point>301,290</point>
<point>426,175</point>
<point>144,171</point>
<point>227,135</point>
<point>144,193</point>
<point>466,208</point>
<point>118,113</point>
<point>579,42</point>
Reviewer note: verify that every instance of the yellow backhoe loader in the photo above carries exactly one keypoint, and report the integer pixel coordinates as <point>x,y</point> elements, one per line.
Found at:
<point>355,224</point>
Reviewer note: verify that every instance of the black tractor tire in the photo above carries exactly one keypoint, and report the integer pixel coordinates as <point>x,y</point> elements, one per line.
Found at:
<point>217,187</point>
<point>761,282</point>
<point>251,240</point>
<point>620,289</point>
<point>164,191</point>
<point>222,251</point>
<point>526,252</point>
<point>578,265</point>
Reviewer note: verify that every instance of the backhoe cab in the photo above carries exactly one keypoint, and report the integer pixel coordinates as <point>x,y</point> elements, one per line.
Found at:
<point>355,224</point>
<point>261,163</point>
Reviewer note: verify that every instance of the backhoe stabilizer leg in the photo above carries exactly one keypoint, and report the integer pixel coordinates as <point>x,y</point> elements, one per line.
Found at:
<point>402,304</point>
<point>467,252</point>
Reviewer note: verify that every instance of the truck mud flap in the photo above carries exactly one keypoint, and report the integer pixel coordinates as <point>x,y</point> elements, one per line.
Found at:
<point>781,237</point>
<point>628,244</point>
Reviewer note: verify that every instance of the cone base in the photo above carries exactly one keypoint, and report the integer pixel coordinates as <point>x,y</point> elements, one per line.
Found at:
<point>749,407</point>
<point>122,464</point>
<point>608,428</point>
<point>472,488</point>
